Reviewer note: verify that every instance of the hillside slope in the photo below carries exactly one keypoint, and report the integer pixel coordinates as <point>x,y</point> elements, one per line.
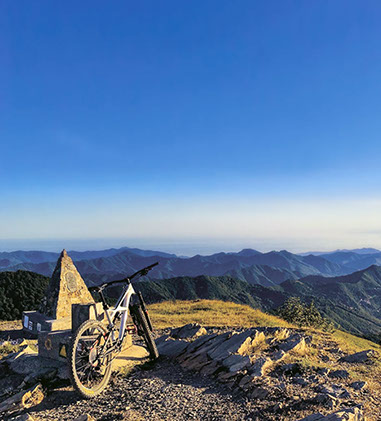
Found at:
<point>210,313</point>
<point>20,291</point>
<point>353,301</point>
<point>223,288</point>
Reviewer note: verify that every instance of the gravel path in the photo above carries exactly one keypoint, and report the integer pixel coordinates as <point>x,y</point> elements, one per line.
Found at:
<point>164,392</point>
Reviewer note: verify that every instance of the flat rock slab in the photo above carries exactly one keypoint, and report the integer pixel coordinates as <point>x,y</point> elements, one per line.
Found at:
<point>359,385</point>
<point>32,363</point>
<point>348,414</point>
<point>236,362</point>
<point>339,374</point>
<point>359,357</point>
<point>190,330</point>
<point>333,390</point>
<point>296,343</point>
<point>229,346</point>
<point>193,346</point>
<point>23,417</point>
<point>172,347</point>
<point>133,355</point>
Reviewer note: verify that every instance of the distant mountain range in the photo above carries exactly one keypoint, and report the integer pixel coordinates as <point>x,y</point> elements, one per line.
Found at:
<point>267,269</point>
<point>352,301</point>
<point>352,260</point>
<point>365,250</point>
<point>14,258</point>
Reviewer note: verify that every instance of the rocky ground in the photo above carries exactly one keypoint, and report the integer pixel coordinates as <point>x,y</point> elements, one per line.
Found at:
<point>164,391</point>
<point>287,373</point>
<point>220,374</point>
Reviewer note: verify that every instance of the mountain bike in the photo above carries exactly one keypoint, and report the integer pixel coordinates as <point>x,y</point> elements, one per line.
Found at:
<point>95,345</point>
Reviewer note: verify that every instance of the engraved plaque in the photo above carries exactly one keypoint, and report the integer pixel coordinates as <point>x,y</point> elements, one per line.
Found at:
<point>71,282</point>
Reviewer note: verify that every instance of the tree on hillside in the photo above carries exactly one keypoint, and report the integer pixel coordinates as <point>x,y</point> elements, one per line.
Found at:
<point>296,312</point>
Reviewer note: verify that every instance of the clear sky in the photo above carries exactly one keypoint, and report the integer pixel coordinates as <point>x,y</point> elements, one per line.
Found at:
<point>194,124</point>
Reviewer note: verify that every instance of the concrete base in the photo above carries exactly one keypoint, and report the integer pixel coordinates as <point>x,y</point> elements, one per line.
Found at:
<point>82,312</point>
<point>54,335</point>
<point>54,345</point>
<point>34,322</point>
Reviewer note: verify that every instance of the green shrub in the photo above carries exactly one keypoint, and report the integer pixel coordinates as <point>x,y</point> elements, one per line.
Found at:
<point>296,312</point>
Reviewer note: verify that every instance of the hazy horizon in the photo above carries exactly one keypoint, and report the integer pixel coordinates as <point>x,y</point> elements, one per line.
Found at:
<point>215,125</point>
<point>186,248</point>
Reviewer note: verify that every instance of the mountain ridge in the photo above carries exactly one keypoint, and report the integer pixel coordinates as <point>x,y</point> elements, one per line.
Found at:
<point>248,264</point>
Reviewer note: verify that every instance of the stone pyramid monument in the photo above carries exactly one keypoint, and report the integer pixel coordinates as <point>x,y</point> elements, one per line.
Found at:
<point>65,288</point>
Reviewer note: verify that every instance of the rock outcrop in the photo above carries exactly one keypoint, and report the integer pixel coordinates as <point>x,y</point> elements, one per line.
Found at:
<point>359,357</point>
<point>267,365</point>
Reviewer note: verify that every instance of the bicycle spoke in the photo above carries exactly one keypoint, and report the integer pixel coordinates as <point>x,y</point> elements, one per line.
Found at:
<point>82,367</point>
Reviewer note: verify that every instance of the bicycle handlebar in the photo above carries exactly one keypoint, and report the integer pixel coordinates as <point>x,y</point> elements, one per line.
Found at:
<point>140,272</point>
<point>143,271</point>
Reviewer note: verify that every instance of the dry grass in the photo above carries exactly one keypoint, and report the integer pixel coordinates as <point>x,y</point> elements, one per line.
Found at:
<point>350,343</point>
<point>10,325</point>
<point>370,372</point>
<point>281,334</point>
<point>210,313</point>
<point>7,348</point>
<point>252,346</point>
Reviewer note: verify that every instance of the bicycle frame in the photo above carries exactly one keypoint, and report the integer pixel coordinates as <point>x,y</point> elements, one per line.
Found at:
<point>121,307</point>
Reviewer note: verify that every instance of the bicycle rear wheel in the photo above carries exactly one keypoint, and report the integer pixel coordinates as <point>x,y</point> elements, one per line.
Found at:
<point>144,330</point>
<point>90,370</point>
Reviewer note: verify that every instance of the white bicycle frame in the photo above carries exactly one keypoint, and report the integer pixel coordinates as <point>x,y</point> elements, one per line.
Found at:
<point>121,306</point>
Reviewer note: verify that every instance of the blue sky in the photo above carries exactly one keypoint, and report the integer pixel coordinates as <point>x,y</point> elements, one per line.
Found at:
<point>207,123</point>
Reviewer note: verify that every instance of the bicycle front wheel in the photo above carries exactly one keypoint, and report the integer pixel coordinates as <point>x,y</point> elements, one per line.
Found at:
<point>90,368</point>
<point>144,330</point>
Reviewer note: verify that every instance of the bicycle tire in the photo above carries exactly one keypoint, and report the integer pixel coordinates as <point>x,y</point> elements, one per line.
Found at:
<point>76,381</point>
<point>146,331</point>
